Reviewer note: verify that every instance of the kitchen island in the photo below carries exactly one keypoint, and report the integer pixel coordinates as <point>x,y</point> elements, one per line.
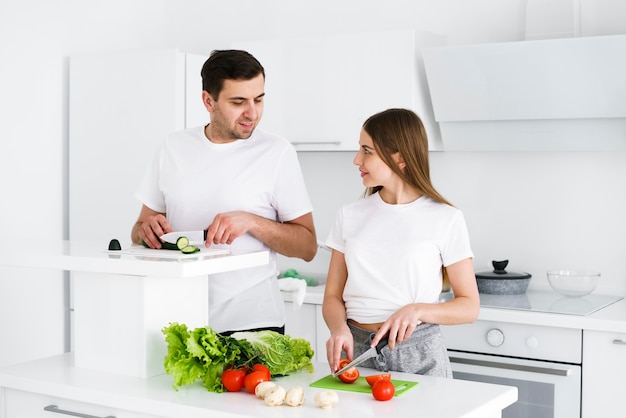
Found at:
<point>127,294</point>
<point>29,388</point>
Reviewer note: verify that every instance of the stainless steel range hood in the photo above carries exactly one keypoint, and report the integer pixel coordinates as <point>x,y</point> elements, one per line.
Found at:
<point>557,94</point>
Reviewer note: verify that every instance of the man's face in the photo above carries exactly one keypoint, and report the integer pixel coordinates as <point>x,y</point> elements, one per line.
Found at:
<point>238,110</point>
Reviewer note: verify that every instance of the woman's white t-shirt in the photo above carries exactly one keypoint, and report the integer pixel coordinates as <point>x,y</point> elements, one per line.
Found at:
<point>394,253</point>
<point>192,179</point>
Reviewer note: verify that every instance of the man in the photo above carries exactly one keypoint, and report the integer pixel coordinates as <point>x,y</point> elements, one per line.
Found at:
<point>242,184</point>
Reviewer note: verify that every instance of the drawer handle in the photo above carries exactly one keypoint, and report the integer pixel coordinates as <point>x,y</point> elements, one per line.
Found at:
<point>56,410</point>
<point>619,342</point>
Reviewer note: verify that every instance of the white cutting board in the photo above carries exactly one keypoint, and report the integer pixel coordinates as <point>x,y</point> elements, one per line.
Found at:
<point>140,251</point>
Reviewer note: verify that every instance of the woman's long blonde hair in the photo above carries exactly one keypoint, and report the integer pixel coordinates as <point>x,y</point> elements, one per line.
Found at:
<point>402,131</point>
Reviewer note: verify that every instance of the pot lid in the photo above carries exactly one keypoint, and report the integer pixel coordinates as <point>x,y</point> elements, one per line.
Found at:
<point>499,272</point>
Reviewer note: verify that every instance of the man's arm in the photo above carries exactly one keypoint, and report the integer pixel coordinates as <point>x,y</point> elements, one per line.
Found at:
<point>295,238</point>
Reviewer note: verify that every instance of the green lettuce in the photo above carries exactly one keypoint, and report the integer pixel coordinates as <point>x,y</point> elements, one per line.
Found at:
<point>280,353</point>
<point>202,354</point>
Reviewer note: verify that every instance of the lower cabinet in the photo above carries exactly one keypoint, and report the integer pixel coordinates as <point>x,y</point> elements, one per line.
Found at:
<point>20,404</point>
<point>307,322</point>
<point>604,367</point>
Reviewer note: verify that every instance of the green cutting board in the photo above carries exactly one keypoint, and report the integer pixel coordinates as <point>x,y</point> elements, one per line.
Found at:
<point>361,385</point>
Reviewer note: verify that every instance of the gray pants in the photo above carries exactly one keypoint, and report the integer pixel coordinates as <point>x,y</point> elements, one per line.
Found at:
<point>423,353</point>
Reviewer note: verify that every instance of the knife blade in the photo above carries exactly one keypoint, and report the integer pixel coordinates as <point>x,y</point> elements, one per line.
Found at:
<point>368,354</point>
<point>195,237</point>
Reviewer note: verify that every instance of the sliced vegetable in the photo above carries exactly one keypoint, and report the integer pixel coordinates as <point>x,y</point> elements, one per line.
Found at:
<point>182,242</point>
<point>189,249</point>
<point>376,377</point>
<point>350,375</point>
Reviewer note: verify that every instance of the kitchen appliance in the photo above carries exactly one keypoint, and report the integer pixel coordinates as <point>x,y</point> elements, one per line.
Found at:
<point>543,362</point>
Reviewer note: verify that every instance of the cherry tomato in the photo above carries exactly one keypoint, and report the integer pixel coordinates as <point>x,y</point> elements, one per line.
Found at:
<point>233,379</point>
<point>383,390</point>
<point>350,375</point>
<point>262,368</point>
<point>376,377</point>
<point>253,379</point>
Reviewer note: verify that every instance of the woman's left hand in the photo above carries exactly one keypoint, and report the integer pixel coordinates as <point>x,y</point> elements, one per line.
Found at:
<point>399,326</point>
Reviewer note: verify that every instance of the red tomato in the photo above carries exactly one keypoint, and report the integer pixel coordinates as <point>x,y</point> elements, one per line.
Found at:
<point>383,390</point>
<point>233,379</point>
<point>376,377</point>
<point>350,375</point>
<point>262,368</point>
<point>253,379</point>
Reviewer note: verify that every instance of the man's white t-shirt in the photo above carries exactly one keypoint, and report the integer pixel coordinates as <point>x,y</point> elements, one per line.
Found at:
<point>394,253</point>
<point>192,179</point>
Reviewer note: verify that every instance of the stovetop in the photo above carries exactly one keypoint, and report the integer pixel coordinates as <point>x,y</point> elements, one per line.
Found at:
<point>550,302</point>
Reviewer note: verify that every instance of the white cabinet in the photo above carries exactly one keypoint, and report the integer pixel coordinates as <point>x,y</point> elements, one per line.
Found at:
<point>121,106</point>
<point>307,322</point>
<point>20,404</point>
<point>320,89</point>
<point>604,367</point>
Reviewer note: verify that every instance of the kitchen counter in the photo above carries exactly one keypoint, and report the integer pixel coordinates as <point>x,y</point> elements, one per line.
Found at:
<point>60,382</point>
<point>611,318</point>
<point>95,258</point>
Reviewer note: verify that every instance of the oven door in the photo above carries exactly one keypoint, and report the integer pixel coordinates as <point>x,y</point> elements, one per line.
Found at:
<point>545,389</point>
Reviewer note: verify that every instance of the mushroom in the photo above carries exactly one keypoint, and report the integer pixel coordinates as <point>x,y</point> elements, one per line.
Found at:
<point>326,399</point>
<point>295,396</point>
<point>263,388</point>
<point>275,396</point>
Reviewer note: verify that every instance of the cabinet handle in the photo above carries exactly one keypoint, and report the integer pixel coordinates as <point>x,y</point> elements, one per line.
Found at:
<point>56,410</point>
<point>619,342</point>
<point>316,143</point>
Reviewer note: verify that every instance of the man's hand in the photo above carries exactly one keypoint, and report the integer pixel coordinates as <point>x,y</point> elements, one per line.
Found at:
<point>149,227</point>
<point>226,227</point>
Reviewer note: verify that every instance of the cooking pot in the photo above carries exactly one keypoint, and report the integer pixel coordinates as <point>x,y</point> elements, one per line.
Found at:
<point>502,282</point>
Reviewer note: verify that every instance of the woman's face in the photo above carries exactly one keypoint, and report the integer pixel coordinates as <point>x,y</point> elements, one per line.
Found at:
<point>374,171</point>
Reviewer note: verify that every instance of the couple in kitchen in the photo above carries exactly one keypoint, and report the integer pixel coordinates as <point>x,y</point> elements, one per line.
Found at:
<point>392,250</point>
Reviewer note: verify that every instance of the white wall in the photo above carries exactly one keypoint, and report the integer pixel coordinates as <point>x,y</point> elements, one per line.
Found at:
<point>540,210</point>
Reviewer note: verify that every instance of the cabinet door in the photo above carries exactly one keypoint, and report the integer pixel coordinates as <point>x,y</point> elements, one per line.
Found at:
<point>19,404</point>
<point>320,89</point>
<point>121,107</point>
<point>300,323</point>
<point>604,366</point>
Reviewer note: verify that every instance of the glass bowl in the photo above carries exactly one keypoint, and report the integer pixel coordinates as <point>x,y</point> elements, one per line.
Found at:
<point>573,283</point>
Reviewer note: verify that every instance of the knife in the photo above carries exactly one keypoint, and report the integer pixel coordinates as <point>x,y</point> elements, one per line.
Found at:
<point>195,237</point>
<point>368,354</point>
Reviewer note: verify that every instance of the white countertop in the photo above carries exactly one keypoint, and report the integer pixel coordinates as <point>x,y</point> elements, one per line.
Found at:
<point>610,319</point>
<point>95,257</point>
<point>55,376</point>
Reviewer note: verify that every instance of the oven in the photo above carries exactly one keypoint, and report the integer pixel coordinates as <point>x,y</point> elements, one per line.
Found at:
<point>543,362</point>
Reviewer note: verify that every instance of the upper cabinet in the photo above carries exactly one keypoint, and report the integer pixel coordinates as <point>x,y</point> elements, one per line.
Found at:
<point>320,89</point>
<point>558,94</point>
<point>121,107</point>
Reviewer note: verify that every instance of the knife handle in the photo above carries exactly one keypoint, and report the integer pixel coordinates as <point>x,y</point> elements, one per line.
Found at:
<point>382,343</point>
<point>205,233</point>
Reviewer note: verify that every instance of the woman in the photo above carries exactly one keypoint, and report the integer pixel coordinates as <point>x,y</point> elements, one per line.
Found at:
<point>391,251</point>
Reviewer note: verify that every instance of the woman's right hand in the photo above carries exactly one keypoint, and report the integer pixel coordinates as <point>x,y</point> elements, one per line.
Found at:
<point>339,341</point>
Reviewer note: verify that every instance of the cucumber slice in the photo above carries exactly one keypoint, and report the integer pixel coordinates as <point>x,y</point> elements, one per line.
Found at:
<point>190,249</point>
<point>182,242</point>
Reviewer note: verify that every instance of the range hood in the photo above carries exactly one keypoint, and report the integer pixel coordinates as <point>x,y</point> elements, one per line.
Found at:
<point>557,94</point>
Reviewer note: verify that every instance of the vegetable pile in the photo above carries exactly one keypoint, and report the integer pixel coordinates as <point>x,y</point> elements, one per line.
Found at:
<point>202,354</point>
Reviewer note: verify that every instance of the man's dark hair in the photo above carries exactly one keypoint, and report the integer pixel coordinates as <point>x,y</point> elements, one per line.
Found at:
<point>229,64</point>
